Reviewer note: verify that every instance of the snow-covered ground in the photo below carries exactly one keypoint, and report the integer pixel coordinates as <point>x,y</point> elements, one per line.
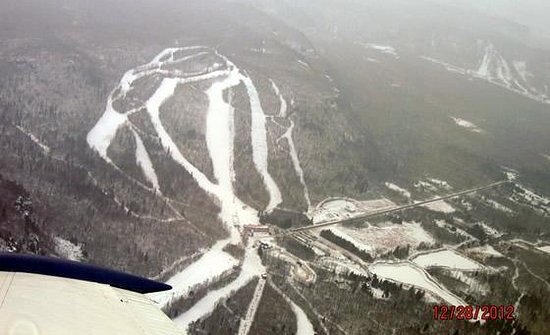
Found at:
<point>451,228</point>
<point>398,189</point>
<point>334,210</point>
<point>495,69</point>
<point>387,236</point>
<point>496,205</point>
<point>407,273</point>
<point>67,249</point>
<point>303,325</point>
<point>210,265</point>
<point>258,134</point>
<point>473,284</point>
<point>439,206</point>
<point>359,245</point>
<point>144,162</point>
<point>252,267</point>
<point>342,208</point>
<point>467,124</point>
<point>486,250</point>
<point>490,230</point>
<point>341,265</point>
<point>523,195</point>
<point>440,183</point>
<point>222,75</point>
<point>385,49</point>
<point>446,258</point>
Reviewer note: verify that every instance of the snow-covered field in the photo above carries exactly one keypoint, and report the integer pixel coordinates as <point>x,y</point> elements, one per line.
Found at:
<point>467,124</point>
<point>387,236</point>
<point>446,258</point>
<point>359,245</point>
<point>407,273</point>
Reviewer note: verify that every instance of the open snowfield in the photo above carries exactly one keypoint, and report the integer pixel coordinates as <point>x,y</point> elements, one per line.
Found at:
<point>387,236</point>
<point>446,258</point>
<point>407,273</point>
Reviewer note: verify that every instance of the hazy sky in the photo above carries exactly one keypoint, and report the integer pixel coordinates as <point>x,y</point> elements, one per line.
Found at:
<point>535,14</point>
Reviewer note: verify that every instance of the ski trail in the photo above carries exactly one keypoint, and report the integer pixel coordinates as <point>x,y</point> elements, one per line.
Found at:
<point>288,136</point>
<point>219,139</point>
<point>282,101</point>
<point>246,323</point>
<point>296,162</point>
<point>259,144</point>
<point>211,264</point>
<point>514,284</point>
<point>144,162</point>
<point>35,139</point>
<point>252,267</point>
<point>304,326</point>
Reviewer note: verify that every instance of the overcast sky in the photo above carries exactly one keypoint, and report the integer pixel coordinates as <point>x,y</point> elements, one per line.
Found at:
<point>534,14</point>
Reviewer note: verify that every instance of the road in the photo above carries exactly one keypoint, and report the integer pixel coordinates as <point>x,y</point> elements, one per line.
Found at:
<point>399,208</point>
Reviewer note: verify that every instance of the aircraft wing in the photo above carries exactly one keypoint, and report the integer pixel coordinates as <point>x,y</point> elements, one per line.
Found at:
<point>56,303</point>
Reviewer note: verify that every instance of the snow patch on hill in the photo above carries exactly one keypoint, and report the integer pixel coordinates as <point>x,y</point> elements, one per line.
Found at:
<point>467,124</point>
<point>67,249</point>
<point>398,189</point>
